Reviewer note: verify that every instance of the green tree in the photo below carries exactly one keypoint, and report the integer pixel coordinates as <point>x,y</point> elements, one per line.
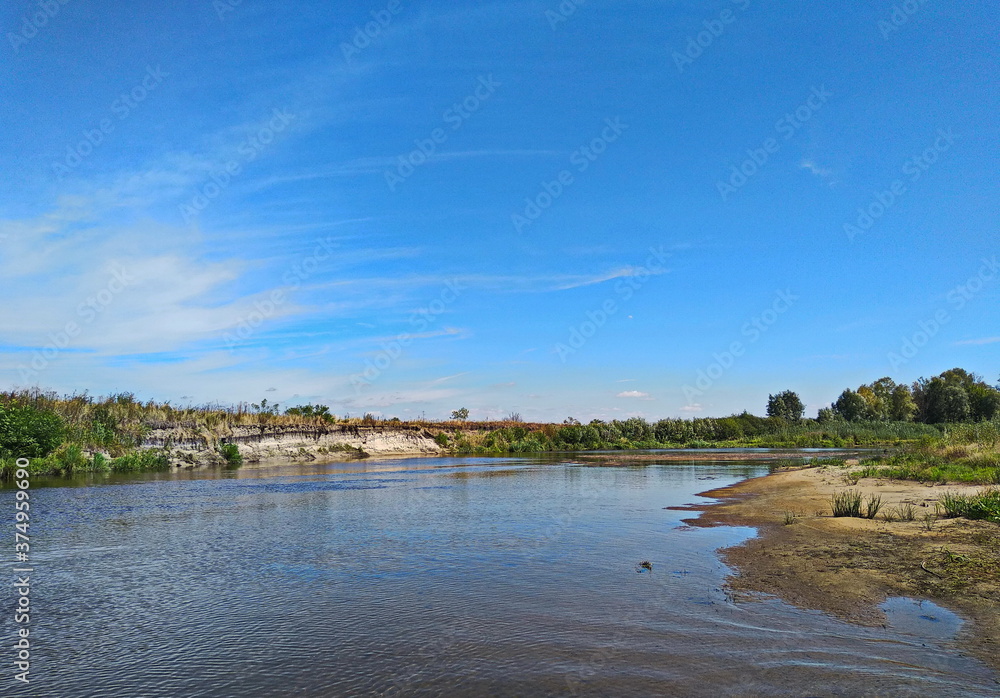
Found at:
<point>902,407</point>
<point>938,398</point>
<point>460,414</point>
<point>944,402</point>
<point>825,414</point>
<point>28,432</point>
<point>984,402</point>
<point>851,406</point>
<point>878,395</point>
<point>785,405</point>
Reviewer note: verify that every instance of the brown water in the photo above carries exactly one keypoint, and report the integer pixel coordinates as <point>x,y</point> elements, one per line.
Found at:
<point>434,577</point>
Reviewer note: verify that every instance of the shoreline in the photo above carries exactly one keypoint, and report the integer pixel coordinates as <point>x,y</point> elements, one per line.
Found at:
<point>356,444</point>
<point>848,566</point>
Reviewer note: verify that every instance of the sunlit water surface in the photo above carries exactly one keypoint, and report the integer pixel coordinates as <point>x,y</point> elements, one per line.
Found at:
<point>434,577</point>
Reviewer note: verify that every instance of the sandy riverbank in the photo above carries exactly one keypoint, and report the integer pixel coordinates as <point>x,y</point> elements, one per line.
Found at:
<point>606,458</point>
<point>847,566</point>
<point>296,443</point>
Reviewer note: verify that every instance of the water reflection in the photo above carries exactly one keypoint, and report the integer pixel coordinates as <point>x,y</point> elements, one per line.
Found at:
<point>502,576</point>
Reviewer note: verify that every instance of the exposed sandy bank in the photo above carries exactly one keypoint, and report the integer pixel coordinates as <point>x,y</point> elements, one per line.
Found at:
<point>268,443</point>
<point>847,566</point>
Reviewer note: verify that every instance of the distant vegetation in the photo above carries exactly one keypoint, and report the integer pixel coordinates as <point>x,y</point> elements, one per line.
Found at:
<point>80,433</point>
<point>742,430</point>
<point>969,453</point>
<point>954,396</point>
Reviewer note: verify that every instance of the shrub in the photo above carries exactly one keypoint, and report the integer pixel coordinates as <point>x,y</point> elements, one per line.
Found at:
<point>28,432</point>
<point>69,459</point>
<point>231,453</point>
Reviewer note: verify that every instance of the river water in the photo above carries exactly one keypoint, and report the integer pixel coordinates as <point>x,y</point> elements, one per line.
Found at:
<point>444,576</point>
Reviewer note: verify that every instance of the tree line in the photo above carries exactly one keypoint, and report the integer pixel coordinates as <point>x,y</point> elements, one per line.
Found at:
<point>951,397</point>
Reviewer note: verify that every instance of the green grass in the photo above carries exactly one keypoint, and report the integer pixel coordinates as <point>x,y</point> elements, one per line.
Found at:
<point>906,512</point>
<point>872,506</point>
<point>853,503</point>
<point>847,503</point>
<point>140,460</point>
<point>984,506</point>
<point>980,469</point>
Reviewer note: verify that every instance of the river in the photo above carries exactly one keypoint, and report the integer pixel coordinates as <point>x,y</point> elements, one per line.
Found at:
<point>432,576</point>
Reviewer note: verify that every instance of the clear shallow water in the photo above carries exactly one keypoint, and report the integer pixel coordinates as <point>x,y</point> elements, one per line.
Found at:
<point>433,577</point>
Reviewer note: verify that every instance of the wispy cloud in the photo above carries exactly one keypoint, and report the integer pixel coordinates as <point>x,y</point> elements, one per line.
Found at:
<point>978,342</point>
<point>507,283</point>
<point>378,164</point>
<point>815,169</point>
<point>445,379</point>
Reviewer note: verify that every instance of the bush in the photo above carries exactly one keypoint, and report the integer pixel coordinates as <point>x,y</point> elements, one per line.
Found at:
<point>69,459</point>
<point>28,432</point>
<point>231,453</point>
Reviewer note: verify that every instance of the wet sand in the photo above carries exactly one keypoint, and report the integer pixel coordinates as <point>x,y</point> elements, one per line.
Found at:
<point>848,566</point>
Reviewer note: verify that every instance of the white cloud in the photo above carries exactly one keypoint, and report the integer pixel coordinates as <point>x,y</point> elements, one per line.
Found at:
<point>692,408</point>
<point>634,394</point>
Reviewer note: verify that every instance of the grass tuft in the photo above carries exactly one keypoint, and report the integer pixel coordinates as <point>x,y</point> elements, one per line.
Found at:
<point>872,506</point>
<point>846,503</point>
<point>984,506</point>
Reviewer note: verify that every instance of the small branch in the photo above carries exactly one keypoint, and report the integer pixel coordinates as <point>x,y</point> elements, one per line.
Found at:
<point>923,566</point>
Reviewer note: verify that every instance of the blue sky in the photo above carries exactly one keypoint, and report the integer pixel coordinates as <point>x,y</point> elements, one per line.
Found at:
<point>600,209</point>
